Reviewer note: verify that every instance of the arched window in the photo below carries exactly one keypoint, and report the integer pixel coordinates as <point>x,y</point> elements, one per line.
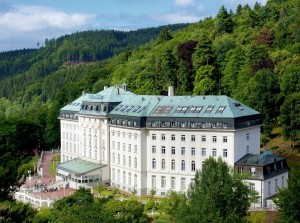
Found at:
<point>118,176</point>
<point>153,163</point>
<point>163,164</point>
<point>124,177</point>
<point>173,164</point>
<point>182,165</point>
<point>135,180</point>
<point>129,179</point>
<point>113,174</point>
<point>135,162</point>
<point>193,166</point>
<point>124,160</point>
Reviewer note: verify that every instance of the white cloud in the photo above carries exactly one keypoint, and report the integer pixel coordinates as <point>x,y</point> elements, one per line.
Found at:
<point>184,2</point>
<point>243,2</point>
<point>177,18</point>
<point>24,19</point>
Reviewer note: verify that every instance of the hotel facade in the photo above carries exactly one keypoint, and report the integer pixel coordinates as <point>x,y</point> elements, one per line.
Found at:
<point>138,143</point>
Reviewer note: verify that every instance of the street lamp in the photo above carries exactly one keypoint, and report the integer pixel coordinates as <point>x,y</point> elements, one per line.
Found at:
<point>29,172</point>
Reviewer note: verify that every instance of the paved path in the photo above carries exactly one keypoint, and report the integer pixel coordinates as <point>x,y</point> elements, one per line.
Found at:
<point>47,180</point>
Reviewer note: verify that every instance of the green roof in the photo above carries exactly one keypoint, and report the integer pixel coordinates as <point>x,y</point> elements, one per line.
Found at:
<point>78,166</point>
<point>183,106</point>
<point>111,94</point>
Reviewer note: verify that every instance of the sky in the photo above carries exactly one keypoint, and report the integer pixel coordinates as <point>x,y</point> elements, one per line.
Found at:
<point>24,23</point>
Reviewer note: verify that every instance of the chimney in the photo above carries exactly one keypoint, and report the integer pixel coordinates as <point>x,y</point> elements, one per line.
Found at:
<point>105,87</point>
<point>170,91</point>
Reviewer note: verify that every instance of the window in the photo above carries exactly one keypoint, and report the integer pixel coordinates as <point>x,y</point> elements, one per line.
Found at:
<point>193,151</point>
<point>163,150</point>
<point>173,137</point>
<point>129,147</point>
<point>173,181</point>
<point>240,169</point>
<point>153,163</point>
<point>182,137</point>
<point>193,166</point>
<point>118,145</point>
<point>225,153</point>
<point>135,180</point>
<point>183,183</point>
<point>163,137</point>
<point>214,138</point>
<point>247,136</point>
<point>193,138</point>
<point>129,179</point>
<point>119,159</point>
<point>183,151</point>
<point>282,182</point>
<point>163,164</point>
<point>269,187</point>
<point>182,165</point>
<point>173,150</point>
<point>124,177</point>
<point>247,150</point>
<point>124,160</point>
<point>153,136</point>
<point>214,152</point>
<point>252,187</point>
<point>172,124</point>
<point>113,174</point>
<point>129,161</point>
<point>113,157</point>
<point>173,164</point>
<point>135,162</point>
<point>203,152</point>
<point>224,138</point>
<point>135,148</point>
<point>276,185</point>
<point>153,181</point>
<point>153,149</point>
<point>124,146</point>
<point>163,181</point>
<point>203,138</point>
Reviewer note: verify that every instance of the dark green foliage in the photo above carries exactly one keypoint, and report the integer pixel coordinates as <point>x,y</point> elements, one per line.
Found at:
<point>18,139</point>
<point>290,118</point>
<point>12,211</point>
<point>218,195</point>
<point>83,207</point>
<point>287,200</point>
<point>223,22</point>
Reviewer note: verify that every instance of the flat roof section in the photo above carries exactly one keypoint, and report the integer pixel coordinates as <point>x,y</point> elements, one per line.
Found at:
<point>79,166</point>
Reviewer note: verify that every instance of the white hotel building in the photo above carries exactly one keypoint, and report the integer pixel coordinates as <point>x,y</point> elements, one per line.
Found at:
<point>141,142</point>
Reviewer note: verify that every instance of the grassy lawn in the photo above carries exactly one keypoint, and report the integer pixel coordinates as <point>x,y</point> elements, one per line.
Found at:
<point>54,161</point>
<point>257,217</point>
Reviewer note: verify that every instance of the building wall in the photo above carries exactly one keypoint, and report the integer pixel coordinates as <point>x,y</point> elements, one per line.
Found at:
<point>270,187</point>
<point>128,161</point>
<point>246,141</point>
<point>69,138</point>
<point>94,139</point>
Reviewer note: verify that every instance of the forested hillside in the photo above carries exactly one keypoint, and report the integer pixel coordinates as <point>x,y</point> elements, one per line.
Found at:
<point>250,54</point>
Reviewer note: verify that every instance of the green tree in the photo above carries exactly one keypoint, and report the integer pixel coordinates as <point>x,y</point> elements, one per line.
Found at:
<point>287,199</point>
<point>223,22</point>
<point>205,81</point>
<point>290,118</point>
<point>12,211</point>
<point>217,195</point>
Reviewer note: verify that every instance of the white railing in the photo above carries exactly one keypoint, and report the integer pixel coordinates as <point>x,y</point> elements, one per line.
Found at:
<point>34,200</point>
